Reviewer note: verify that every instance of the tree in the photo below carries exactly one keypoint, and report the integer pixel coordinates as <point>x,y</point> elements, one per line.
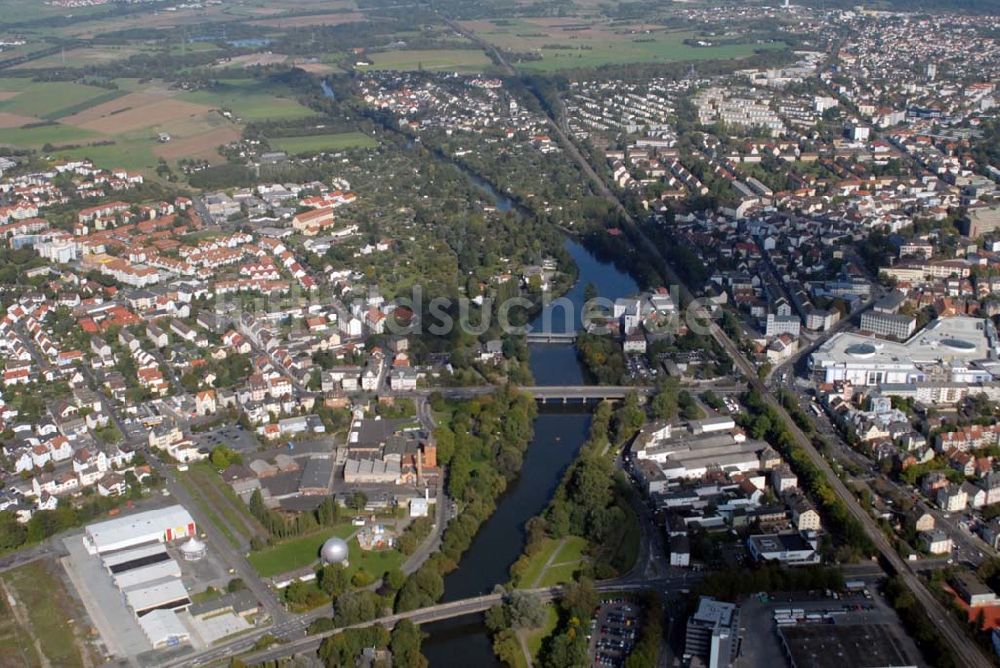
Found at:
<point>236,584</point>
<point>394,579</point>
<point>223,456</point>
<point>663,405</point>
<point>525,610</point>
<point>358,501</point>
<point>355,607</point>
<point>333,580</point>
<point>404,642</point>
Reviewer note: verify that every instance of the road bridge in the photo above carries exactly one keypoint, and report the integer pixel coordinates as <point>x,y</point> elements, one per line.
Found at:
<point>550,337</point>
<point>460,608</point>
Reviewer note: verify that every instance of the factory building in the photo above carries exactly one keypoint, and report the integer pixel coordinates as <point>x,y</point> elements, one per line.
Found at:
<point>152,526</point>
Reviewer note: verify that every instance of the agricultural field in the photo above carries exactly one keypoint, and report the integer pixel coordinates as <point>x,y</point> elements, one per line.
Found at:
<point>120,128</point>
<point>45,625</point>
<point>433,60</point>
<point>36,137</point>
<point>306,20</point>
<point>317,143</point>
<point>568,43</point>
<point>251,100</point>
<point>47,100</point>
<point>82,57</point>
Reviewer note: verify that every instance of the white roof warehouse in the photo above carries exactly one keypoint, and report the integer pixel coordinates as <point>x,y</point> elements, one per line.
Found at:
<point>152,526</point>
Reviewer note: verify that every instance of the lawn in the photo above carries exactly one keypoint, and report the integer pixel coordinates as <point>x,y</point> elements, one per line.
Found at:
<point>46,134</point>
<point>295,553</point>
<point>535,638</point>
<point>327,142</point>
<point>43,597</point>
<point>537,563</point>
<point>559,574</point>
<point>447,60</point>
<point>250,99</point>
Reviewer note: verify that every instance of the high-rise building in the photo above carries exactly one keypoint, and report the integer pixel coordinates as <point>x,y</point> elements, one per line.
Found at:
<point>713,632</point>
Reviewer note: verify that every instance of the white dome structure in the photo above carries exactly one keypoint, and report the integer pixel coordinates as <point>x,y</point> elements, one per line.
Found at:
<point>194,549</point>
<point>334,551</point>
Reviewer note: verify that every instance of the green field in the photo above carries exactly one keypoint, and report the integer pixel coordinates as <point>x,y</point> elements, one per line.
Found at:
<point>295,553</point>
<point>555,563</point>
<point>446,60</point>
<point>135,155</point>
<point>251,100</point>
<point>666,49</point>
<point>317,143</point>
<point>47,134</point>
<point>535,638</point>
<point>566,44</point>
<point>42,597</point>
<point>47,99</point>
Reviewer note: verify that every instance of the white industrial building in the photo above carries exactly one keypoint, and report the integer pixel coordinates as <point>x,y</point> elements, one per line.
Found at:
<point>163,629</point>
<point>711,444</point>
<point>945,350</point>
<point>138,557</point>
<point>152,573</point>
<point>160,595</point>
<point>152,526</point>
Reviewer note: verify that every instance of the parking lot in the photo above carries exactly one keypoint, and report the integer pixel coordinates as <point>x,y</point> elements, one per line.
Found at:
<point>613,632</point>
<point>760,644</point>
<point>233,436</point>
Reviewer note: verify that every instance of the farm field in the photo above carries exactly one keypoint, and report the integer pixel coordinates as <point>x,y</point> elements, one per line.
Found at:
<point>327,142</point>
<point>302,21</point>
<point>81,57</point>
<point>36,137</point>
<point>565,43</point>
<point>250,100</point>
<point>42,99</point>
<point>443,60</point>
<point>45,614</point>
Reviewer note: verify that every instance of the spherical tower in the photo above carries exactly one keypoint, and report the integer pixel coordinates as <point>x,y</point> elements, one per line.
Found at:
<point>334,551</point>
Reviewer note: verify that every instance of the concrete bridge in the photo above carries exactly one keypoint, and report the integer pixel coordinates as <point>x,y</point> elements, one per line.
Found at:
<point>547,393</point>
<point>550,337</point>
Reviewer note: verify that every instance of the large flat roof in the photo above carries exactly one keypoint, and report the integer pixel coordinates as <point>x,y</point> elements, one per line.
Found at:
<point>156,594</point>
<point>954,339</point>
<point>837,645</point>
<point>148,523</point>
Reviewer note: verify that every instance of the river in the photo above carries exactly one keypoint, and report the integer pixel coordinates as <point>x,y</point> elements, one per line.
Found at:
<point>558,437</point>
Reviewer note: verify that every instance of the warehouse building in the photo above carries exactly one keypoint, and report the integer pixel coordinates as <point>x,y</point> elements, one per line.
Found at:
<point>163,629</point>
<point>152,526</point>
<point>152,573</point>
<point>167,594</point>
<point>139,557</point>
